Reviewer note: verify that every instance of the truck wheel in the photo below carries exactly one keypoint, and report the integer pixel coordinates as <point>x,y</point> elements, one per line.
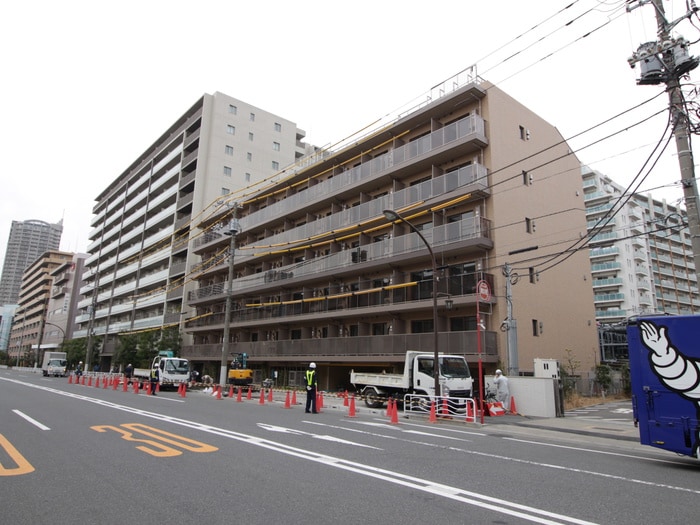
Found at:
<point>372,400</point>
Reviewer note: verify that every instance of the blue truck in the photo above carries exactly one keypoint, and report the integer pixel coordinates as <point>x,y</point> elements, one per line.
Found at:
<point>664,355</point>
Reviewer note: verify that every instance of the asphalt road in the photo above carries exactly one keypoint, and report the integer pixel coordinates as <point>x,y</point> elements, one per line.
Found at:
<point>75,454</point>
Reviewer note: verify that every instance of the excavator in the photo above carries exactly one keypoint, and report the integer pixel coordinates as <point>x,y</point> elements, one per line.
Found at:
<point>238,373</point>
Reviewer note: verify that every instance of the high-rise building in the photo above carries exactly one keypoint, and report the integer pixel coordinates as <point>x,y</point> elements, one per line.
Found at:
<point>140,260</point>
<point>62,306</point>
<point>27,242</point>
<point>641,259</point>
<point>486,261</point>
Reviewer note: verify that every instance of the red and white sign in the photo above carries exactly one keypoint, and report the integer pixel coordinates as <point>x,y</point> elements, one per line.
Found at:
<point>483,290</point>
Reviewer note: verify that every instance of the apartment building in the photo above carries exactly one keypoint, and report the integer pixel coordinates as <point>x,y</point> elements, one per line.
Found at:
<point>28,240</point>
<point>641,258</point>
<point>26,337</point>
<point>62,306</point>
<point>319,273</point>
<point>137,271</point>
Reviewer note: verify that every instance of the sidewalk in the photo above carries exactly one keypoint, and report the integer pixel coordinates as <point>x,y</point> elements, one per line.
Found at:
<point>592,421</point>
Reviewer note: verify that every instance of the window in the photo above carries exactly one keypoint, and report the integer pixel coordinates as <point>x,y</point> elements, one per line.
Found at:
<point>225,191</point>
<point>529,225</point>
<point>249,156</point>
<point>275,146</point>
<point>232,109</point>
<point>252,117</point>
<point>278,127</point>
<point>275,165</point>
<point>524,133</point>
<point>527,178</point>
<point>536,328</point>
<point>227,171</point>
<point>231,130</point>
<point>247,177</point>
<point>251,136</point>
<point>534,276</point>
<point>228,150</point>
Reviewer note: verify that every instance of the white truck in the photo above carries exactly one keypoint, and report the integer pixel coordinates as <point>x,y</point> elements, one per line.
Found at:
<point>54,364</point>
<point>173,370</point>
<point>417,378</point>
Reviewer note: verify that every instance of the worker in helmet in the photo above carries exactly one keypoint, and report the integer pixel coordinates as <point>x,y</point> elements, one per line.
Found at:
<point>311,386</point>
<point>79,369</point>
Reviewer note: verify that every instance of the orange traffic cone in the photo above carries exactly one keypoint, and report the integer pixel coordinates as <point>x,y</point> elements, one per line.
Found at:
<point>82,382</point>
<point>218,392</point>
<point>269,396</point>
<point>115,382</point>
<point>433,417</point>
<point>389,409</point>
<point>239,397</point>
<point>262,396</point>
<point>126,384</point>
<point>287,403</point>
<point>70,379</point>
<point>395,414</point>
<point>513,410</point>
<point>148,388</point>
<point>351,411</point>
<point>294,397</point>
<point>230,391</point>
<point>445,410</point>
<point>345,399</point>
<point>250,393</point>
<point>136,387</point>
<point>470,412</point>
<point>89,381</point>
<point>184,389</point>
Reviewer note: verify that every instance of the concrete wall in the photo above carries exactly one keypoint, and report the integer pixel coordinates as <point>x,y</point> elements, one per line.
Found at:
<point>534,396</point>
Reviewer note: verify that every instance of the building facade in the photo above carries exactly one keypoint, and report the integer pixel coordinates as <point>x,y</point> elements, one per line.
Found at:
<point>140,260</point>
<point>27,242</point>
<point>319,273</point>
<point>26,337</point>
<point>62,306</point>
<point>641,259</point>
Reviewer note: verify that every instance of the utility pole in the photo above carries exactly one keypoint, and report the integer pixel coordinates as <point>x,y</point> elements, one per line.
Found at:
<point>667,60</point>
<point>510,325</point>
<point>234,229</point>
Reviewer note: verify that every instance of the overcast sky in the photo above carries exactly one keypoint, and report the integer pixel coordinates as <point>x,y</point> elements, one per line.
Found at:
<point>87,86</point>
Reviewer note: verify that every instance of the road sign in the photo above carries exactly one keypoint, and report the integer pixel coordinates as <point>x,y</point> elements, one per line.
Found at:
<point>483,290</point>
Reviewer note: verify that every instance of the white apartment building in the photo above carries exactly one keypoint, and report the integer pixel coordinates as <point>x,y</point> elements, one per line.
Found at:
<point>135,276</point>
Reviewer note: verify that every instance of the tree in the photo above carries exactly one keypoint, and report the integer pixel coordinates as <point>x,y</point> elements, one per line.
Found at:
<point>569,372</point>
<point>603,377</point>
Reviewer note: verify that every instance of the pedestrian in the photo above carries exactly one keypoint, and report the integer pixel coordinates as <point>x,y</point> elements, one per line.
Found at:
<point>502,390</point>
<point>311,386</point>
<point>155,375</point>
<point>129,373</point>
<point>79,369</point>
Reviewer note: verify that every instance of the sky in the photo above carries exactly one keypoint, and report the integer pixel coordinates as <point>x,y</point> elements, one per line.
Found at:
<point>87,86</point>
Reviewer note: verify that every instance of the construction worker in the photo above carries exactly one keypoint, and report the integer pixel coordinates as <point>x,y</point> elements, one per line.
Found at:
<point>79,369</point>
<point>311,386</point>
<point>155,375</point>
<point>502,390</point>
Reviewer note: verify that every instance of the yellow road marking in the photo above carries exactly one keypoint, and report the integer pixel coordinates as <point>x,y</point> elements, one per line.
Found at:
<point>23,466</point>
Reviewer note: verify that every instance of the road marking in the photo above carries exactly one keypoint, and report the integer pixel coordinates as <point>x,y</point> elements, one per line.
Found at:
<point>31,420</point>
<point>22,465</point>
<point>325,437</point>
<point>162,450</point>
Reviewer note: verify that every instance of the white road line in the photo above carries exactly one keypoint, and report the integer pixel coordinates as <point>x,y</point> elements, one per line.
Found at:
<point>32,421</point>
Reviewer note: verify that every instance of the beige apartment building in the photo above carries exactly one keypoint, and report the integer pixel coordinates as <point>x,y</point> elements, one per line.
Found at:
<point>26,338</point>
<point>321,274</point>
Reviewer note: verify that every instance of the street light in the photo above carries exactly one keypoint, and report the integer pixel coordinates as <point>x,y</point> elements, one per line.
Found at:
<point>234,228</point>
<point>394,216</point>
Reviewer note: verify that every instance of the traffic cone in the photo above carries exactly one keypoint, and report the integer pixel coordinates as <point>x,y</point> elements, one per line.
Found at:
<point>115,382</point>
<point>432,418</point>
<point>230,391</point>
<point>445,410</point>
<point>351,411</point>
<point>513,410</point>
<point>262,396</point>
<point>250,393</point>
<point>148,388</point>
<point>294,397</point>
<point>470,412</point>
<point>89,381</point>
<point>136,387</point>
<point>126,384</point>
<point>345,399</point>
<point>104,382</point>
<point>97,382</point>
<point>269,396</point>
<point>394,414</point>
<point>239,397</point>
<point>287,403</point>
<point>320,405</point>
<point>218,392</point>
<point>184,389</point>
<point>70,379</point>
<point>389,408</point>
